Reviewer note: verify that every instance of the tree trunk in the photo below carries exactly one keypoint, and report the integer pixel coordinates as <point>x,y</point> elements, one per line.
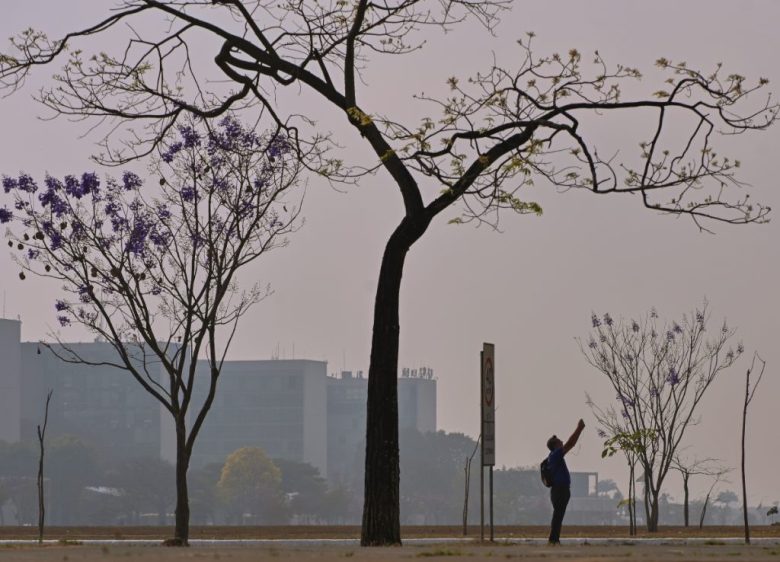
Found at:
<point>652,522</point>
<point>182,531</point>
<point>631,501</point>
<point>685,500</point>
<point>704,511</point>
<point>381,509</point>
<point>646,497</point>
<point>744,480</point>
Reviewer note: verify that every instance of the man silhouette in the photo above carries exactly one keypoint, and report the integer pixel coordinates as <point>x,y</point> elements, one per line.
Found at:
<point>561,481</point>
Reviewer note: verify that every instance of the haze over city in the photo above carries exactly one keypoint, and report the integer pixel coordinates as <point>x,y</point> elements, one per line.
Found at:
<point>531,288</point>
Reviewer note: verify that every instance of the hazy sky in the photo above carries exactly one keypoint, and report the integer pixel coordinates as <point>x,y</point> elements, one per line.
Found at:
<point>529,289</point>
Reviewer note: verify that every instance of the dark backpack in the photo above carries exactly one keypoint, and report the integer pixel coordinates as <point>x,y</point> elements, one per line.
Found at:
<point>546,473</point>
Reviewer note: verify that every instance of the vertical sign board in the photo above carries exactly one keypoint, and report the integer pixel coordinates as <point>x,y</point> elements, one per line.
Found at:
<point>487,430</point>
<point>488,409</point>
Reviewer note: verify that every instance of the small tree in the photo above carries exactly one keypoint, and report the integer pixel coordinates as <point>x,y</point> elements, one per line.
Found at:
<point>660,373</point>
<point>250,483</point>
<point>153,272</point>
<point>696,467</point>
<point>772,512</point>
<point>630,445</point>
<point>466,482</point>
<point>750,392</point>
<point>41,430</point>
<point>717,478</point>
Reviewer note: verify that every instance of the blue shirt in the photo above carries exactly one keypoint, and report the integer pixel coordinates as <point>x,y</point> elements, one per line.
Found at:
<point>560,472</point>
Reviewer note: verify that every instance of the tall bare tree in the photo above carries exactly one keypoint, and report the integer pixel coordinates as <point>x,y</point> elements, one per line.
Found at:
<point>41,430</point>
<point>750,392</point>
<point>494,133</point>
<point>660,373</point>
<point>154,271</point>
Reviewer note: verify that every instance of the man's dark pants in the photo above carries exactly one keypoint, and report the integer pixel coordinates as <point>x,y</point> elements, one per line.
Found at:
<point>559,495</point>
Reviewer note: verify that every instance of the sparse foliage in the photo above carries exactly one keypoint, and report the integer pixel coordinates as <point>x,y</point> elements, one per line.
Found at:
<point>153,270</point>
<point>660,373</point>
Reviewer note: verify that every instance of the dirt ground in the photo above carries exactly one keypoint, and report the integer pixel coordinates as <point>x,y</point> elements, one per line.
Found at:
<point>451,551</point>
<point>353,532</point>
<point>68,549</point>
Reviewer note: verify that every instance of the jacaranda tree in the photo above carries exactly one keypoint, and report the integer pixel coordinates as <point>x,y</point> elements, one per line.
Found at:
<point>153,270</point>
<point>494,133</point>
<point>660,373</point>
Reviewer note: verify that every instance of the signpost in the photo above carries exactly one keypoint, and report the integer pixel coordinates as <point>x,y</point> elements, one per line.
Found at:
<point>487,430</point>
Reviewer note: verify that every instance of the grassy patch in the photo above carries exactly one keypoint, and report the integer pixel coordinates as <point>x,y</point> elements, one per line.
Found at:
<point>714,543</point>
<point>69,542</point>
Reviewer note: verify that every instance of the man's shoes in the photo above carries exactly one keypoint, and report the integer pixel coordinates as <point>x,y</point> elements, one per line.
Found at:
<point>553,543</point>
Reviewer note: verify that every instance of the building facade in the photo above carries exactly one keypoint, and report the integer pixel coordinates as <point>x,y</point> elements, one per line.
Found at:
<point>10,380</point>
<point>101,404</point>
<point>278,405</point>
<point>347,398</point>
<point>290,408</point>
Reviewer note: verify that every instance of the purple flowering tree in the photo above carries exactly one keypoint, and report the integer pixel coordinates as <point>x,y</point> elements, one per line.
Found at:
<point>495,132</point>
<point>659,372</point>
<point>153,270</point>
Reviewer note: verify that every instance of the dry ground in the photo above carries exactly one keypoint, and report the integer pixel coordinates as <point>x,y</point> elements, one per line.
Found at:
<point>353,532</point>
<point>712,550</point>
<point>450,551</point>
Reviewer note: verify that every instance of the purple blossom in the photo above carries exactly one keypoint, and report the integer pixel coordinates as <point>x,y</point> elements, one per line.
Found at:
<point>700,317</point>
<point>22,183</point>
<point>156,290</point>
<point>595,320</point>
<point>5,215</point>
<point>89,183</point>
<point>63,320</point>
<point>277,147</point>
<point>592,344</point>
<point>634,326</point>
<point>51,198</point>
<point>740,348</point>
<point>654,392</point>
<point>669,335</point>
<point>601,433</point>
<point>676,328</point>
<point>33,254</point>
<point>625,413</point>
<point>61,306</point>
<point>189,193</point>
<point>163,213</point>
<point>9,184</point>
<point>21,205</point>
<point>55,236</point>
<point>673,377</point>
<point>172,151</point>
<point>608,319</point>
<point>85,293</point>
<point>159,239</point>
<point>730,354</point>
<point>131,181</point>
<point>136,242</point>
<point>190,136</point>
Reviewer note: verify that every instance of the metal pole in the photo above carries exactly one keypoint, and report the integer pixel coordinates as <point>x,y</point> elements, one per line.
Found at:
<point>481,455</point>
<point>491,503</point>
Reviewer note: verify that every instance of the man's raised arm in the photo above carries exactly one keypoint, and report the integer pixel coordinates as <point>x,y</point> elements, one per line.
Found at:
<point>572,441</point>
